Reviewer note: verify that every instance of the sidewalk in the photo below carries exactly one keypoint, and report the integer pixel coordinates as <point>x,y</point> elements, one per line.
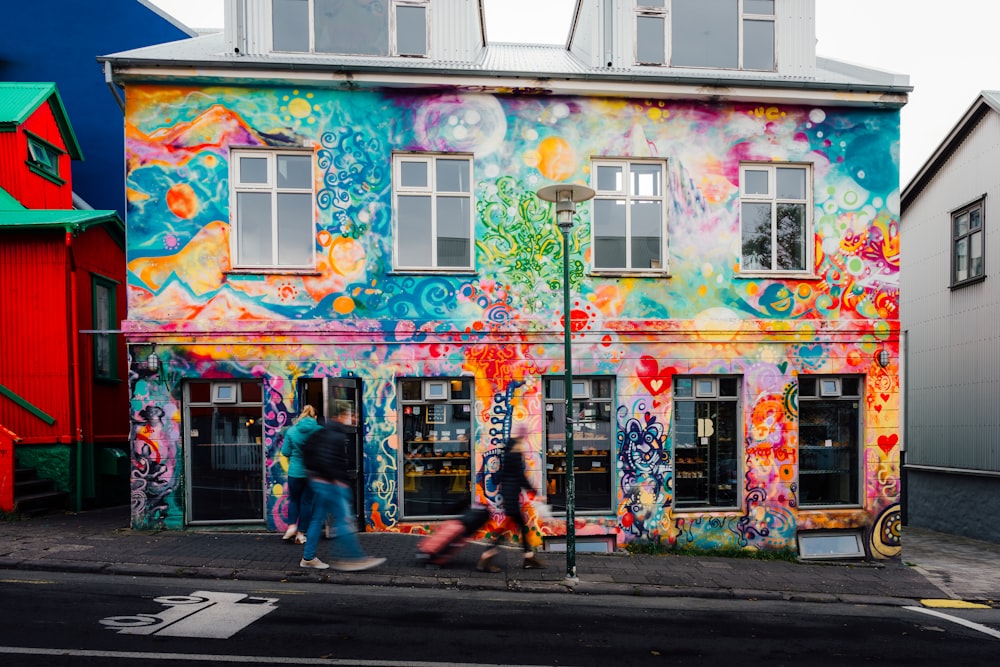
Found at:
<point>933,565</point>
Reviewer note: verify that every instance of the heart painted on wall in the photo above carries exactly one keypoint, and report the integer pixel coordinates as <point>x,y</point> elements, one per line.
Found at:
<point>655,379</point>
<point>887,442</point>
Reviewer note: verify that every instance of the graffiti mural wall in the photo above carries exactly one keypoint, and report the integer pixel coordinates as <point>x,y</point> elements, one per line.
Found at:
<point>502,323</point>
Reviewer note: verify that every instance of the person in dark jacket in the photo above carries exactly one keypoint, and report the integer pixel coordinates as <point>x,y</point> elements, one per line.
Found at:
<point>299,495</point>
<point>513,479</point>
<point>330,478</point>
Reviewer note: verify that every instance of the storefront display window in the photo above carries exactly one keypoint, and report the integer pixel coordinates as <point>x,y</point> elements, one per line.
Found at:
<point>437,460</point>
<point>225,451</point>
<point>706,430</point>
<point>593,440</point>
<point>829,439</point>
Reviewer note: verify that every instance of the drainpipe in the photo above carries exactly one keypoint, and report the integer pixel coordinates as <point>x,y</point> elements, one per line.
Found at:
<point>77,420</point>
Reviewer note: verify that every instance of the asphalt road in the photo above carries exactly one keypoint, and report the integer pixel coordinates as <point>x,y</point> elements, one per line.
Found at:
<point>85,619</point>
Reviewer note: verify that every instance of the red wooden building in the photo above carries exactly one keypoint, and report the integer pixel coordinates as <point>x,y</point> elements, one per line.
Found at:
<point>63,372</point>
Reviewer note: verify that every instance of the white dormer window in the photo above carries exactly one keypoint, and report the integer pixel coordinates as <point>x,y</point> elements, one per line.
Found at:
<point>720,34</point>
<point>350,27</point>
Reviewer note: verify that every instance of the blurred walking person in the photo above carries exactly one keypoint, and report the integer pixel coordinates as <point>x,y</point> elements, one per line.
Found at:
<point>299,493</point>
<point>330,478</point>
<point>513,479</point>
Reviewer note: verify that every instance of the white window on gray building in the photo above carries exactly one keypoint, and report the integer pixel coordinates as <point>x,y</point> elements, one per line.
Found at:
<point>349,27</point>
<point>720,34</point>
<point>967,244</point>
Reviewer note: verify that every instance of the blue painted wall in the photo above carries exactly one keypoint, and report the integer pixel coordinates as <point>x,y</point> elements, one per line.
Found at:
<point>59,41</point>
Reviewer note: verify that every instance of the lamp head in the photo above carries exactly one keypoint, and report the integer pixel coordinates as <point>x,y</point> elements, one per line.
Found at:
<point>566,196</point>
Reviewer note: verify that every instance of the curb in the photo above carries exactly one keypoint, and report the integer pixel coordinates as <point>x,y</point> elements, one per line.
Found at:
<point>561,587</point>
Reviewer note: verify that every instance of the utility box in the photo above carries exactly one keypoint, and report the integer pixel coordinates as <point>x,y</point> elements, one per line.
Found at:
<point>112,461</point>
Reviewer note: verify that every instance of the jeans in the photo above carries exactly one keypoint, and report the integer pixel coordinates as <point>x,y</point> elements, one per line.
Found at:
<point>300,502</point>
<point>330,498</point>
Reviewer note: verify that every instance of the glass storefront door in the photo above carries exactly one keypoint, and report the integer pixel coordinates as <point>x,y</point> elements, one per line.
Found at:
<point>325,393</point>
<point>225,451</point>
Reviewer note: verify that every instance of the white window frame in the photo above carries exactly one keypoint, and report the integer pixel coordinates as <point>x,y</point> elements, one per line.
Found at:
<point>431,191</point>
<point>624,194</point>
<point>643,8</point>
<point>391,46</point>
<point>236,186</point>
<point>772,197</point>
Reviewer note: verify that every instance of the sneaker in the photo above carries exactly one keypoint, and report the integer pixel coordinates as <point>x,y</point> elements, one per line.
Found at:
<point>357,564</point>
<point>290,533</point>
<point>533,563</point>
<point>300,538</point>
<point>314,563</point>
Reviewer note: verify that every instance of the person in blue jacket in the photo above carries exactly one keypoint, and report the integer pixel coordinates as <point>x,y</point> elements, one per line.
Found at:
<point>299,494</point>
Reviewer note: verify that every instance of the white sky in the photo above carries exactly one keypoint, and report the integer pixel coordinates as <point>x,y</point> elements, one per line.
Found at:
<point>946,49</point>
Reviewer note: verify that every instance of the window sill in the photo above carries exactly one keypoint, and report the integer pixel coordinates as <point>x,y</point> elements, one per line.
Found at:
<point>434,272</point>
<point>777,275</point>
<point>36,168</point>
<point>623,273</point>
<point>966,283</point>
<point>270,270</point>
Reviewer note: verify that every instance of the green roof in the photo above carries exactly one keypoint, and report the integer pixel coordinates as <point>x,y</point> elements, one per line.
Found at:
<point>19,100</point>
<point>14,216</point>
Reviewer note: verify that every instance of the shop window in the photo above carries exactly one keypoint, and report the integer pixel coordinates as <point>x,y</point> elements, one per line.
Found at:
<point>433,211</point>
<point>775,225</point>
<point>829,439</point>
<point>967,227</point>
<point>371,28</point>
<point>105,320</point>
<point>437,456</point>
<point>225,451</point>
<point>706,437</point>
<point>272,210</point>
<point>593,443</point>
<point>629,215</point>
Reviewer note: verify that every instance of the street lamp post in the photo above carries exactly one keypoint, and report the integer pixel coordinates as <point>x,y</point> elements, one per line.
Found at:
<point>566,197</point>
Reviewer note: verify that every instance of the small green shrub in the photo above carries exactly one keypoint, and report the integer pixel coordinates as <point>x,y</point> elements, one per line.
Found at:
<point>660,548</point>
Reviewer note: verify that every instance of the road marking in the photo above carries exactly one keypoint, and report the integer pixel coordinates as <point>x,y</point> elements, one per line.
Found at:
<point>953,604</point>
<point>26,581</point>
<point>961,621</point>
<point>253,659</point>
<point>203,614</point>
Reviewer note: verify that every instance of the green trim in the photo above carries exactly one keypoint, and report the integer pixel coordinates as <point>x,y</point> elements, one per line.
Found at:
<point>37,168</point>
<point>19,100</point>
<point>98,282</point>
<point>27,406</point>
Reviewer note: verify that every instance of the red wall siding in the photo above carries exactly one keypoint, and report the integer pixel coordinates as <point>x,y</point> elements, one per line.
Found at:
<point>105,405</point>
<point>29,188</point>
<point>34,350</point>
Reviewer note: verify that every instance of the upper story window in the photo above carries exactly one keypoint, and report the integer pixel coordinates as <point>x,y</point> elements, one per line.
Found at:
<point>351,27</point>
<point>775,225</point>
<point>43,158</point>
<point>629,215</point>
<point>272,210</point>
<point>722,34</point>
<point>432,197</point>
<point>967,231</point>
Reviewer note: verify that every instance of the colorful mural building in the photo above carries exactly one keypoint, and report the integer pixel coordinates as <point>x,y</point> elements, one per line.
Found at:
<point>339,204</point>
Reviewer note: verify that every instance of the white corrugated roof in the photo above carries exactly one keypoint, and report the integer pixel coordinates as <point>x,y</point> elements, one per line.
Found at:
<point>501,59</point>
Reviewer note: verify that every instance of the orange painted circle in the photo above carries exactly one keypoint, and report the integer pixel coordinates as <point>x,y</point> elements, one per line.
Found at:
<point>556,159</point>
<point>343,304</point>
<point>182,201</point>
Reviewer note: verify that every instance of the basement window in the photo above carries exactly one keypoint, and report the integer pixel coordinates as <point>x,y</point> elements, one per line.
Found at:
<point>819,545</point>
